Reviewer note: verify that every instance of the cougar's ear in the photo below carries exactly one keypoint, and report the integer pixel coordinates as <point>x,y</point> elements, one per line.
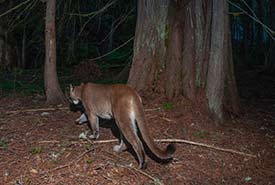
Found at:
<point>71,88</point>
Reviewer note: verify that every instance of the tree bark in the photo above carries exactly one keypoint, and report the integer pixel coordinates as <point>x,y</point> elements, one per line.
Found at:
<point>53,91</point>
<point>271,62</point>
<point>6,52</point>
<point>149,45</point>
<point>186,52</point>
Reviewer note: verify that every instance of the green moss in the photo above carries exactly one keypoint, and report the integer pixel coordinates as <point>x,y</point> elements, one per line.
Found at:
<point>167,35</point>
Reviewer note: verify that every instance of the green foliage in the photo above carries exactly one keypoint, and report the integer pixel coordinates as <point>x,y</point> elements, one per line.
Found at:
<point>89,161</point>
<point>201,134</point>
<point>88,146</point>
<point>36,150</point>
<point>167,35</point>
<point>167,106</point>
<point>117,55</point>
<point>21,81</point>
<point>4,144</point>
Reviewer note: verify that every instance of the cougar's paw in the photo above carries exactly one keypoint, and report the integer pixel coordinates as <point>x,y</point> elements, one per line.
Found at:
<point>94,136</point>
<point>143,165</point>
<point>120,148</point>
<point>117,148</point>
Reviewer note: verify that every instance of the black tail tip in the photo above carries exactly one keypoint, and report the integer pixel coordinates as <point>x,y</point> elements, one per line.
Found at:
<point>171,148</point>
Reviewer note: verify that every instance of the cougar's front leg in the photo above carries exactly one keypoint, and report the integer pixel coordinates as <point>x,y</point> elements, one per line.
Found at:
<point>82,119</point>
<point>93,121</point>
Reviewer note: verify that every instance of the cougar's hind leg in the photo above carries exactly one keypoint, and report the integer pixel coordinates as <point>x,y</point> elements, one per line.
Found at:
<point>129,132</point>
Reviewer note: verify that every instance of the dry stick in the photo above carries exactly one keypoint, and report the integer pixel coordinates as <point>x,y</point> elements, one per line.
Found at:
<point>58,108</point>
<point>36,110</point>
<point>129,167</point>
<point>69,164</point>
<point>203,145</point>
<point>82,142</point>
<point>143,173</point>
<point>171,141</point>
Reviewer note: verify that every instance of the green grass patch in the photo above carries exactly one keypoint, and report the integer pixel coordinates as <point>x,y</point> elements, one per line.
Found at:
<point>89,161</point>
<point>36,150</point>
<point>201,134</point>
<point>4,144</point>
<point>167,106</point>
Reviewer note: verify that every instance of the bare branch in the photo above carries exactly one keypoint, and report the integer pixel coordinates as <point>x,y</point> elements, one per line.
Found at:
<point>170,141</point>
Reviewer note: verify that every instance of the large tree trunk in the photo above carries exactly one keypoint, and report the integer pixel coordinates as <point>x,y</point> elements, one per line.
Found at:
<point>149,46</point>
<point>186,52</point>
<point>221,90</point>
<point>53,91</point>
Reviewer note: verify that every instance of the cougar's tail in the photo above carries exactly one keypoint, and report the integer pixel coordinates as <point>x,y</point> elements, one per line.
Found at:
<point>165,154</point>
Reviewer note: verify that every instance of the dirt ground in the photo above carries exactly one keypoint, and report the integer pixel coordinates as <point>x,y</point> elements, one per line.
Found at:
<point>43,147</point>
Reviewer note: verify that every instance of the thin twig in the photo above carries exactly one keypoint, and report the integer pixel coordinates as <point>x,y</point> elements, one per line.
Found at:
<point>266,28</point>
<point>167,119</point>
<point>14,8</point>
<point>152,109</point>
<point>95,12</point>
<point>130,167</point>
<point>69,164</point>
<point>155,180</point>
<point>91,15</point>
<point>58,108</point>
<point>171,141</point>
<point>82,142</point>
<point>108,53</point>
<point>203,145</point>
<point>36,110</point>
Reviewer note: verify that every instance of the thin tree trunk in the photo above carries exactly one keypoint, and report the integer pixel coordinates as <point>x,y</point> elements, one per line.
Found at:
<point>53,91</point>
<point>271,62</point>
<point>23,50</point>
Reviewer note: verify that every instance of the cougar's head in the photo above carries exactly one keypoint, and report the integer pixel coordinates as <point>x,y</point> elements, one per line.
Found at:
<point>75,94</point>
<point>75,100</point>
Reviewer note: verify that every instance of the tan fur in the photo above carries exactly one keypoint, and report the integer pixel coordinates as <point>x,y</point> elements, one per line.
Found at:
<point>124,105</point>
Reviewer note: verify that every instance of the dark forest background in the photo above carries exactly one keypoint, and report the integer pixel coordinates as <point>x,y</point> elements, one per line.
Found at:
<point>95,41</point>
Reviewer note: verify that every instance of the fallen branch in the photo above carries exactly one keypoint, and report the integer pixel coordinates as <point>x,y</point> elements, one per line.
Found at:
<point>69,164</point>
<point>169,141</point>
<point>57,108</point>
<point>203,145</point>
<point>36,110</point>
<point>155,180</point>
<point>130,167</point>
<point>152,109</point>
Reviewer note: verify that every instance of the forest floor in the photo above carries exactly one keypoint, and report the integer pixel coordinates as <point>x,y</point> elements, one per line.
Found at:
<point>43,146</point>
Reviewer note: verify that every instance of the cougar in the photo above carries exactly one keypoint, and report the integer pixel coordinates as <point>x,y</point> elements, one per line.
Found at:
<point>123,104</point>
